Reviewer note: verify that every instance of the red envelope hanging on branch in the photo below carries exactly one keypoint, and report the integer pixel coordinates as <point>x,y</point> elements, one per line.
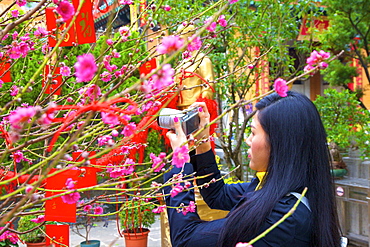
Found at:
<point>59,235</point>
<point>148,66</point>
<point>82,31</point>
<point>56,209</point>
<point>51,23</point>
<point>5,72</point>
<point>55,82</point>
<point>88,176</point>
<point>84,25</point>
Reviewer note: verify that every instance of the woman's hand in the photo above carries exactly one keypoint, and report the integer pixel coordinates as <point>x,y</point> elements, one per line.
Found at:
<point>204,121</point>
<point>178,136</point>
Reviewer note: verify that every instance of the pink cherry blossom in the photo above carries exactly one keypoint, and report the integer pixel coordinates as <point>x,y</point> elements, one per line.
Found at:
<point>14,51</point>
<point>125,149</point>
<point>163,78</point>
<point>233,1</point>
<point>317,57</point>
<point>157,161</point>
<point>104,140</point>
<point>323,65</point>
<point>250,66</point>
<point>110,118</point>
<point>91,92</point>
<point>281,87</point>
<point>85,67</point>
<point>7,235</point>
<point>98,210</point>
<point>126,2</point>
<point>159,209</point>
<point>29,188</point>
<point>109,42</point>
<point>65,71</point>
<point>180,156</point>
<point>21,115</point>
<point>194,45</point>
<point>176,190</point>
<point>70,183</point>
<point>18,156</point>
<point>87,208</point>
<point>167,7</point>
<point>240,244</point>
<point>212,26</point>
<point>71,198</point>
<point>106,76</point>
<point>65,9</point>
<point>124,31</point>
<point>39,219</point>
<point>222,21</point>
<point>129,166</point>
<point>308,68</point>
<point>129,129</point>
<point>40,31</point>
<point>190,208</point>
<point>21,3</point>
<point>170,44</point>
<point>115,133</point>
<point>15,13</point>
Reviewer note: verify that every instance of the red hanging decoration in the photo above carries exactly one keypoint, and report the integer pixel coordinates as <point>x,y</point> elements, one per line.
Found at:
<point>56,209</point>
<point>51,24</point>
<point>5,75</point>
<point>148,66</point>
<point>88,175</point>
<point>84,25</point>
<point>55,84</point>
<point>58,235</point>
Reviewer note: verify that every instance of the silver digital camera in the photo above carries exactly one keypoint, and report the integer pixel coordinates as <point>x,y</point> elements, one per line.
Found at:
<point>189,119</point>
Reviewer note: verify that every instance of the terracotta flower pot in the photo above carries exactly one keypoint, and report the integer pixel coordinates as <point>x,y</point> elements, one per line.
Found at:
<point>138,239</point>
<point>43,244</point>
<point>92,243</point>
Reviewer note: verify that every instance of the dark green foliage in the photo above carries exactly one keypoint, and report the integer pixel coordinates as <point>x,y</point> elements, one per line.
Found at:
<point>345,122</point>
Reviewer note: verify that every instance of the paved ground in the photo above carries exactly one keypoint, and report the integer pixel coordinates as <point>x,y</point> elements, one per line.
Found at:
<point>109,236</point>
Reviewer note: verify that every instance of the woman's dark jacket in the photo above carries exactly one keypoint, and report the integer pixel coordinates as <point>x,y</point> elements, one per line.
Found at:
<point>188,230</point>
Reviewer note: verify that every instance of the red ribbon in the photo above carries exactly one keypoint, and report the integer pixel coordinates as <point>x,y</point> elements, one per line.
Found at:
<point>94,106</point>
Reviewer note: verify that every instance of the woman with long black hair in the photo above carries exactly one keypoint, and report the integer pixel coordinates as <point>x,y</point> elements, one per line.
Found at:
<point>288,150</point>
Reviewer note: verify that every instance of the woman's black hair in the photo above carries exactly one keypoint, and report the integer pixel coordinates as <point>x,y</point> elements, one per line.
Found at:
<point>299,158</point>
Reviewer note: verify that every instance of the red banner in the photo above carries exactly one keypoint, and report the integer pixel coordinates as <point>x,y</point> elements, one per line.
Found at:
<point>51,23</point>
<point>56,209</point>
<point>5,75</point>
<point>84,24</point>
<point>56,81</point>
<point>59,235</point>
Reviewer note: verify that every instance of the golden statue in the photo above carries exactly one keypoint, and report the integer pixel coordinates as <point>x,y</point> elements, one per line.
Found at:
<point>199,64</point>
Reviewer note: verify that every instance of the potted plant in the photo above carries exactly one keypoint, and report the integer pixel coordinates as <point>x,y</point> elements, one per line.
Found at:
<point>85,222</point>
<point>136,217</point>
<point>8,238</point>
<point>32,228</point>
<point>345,122</point>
